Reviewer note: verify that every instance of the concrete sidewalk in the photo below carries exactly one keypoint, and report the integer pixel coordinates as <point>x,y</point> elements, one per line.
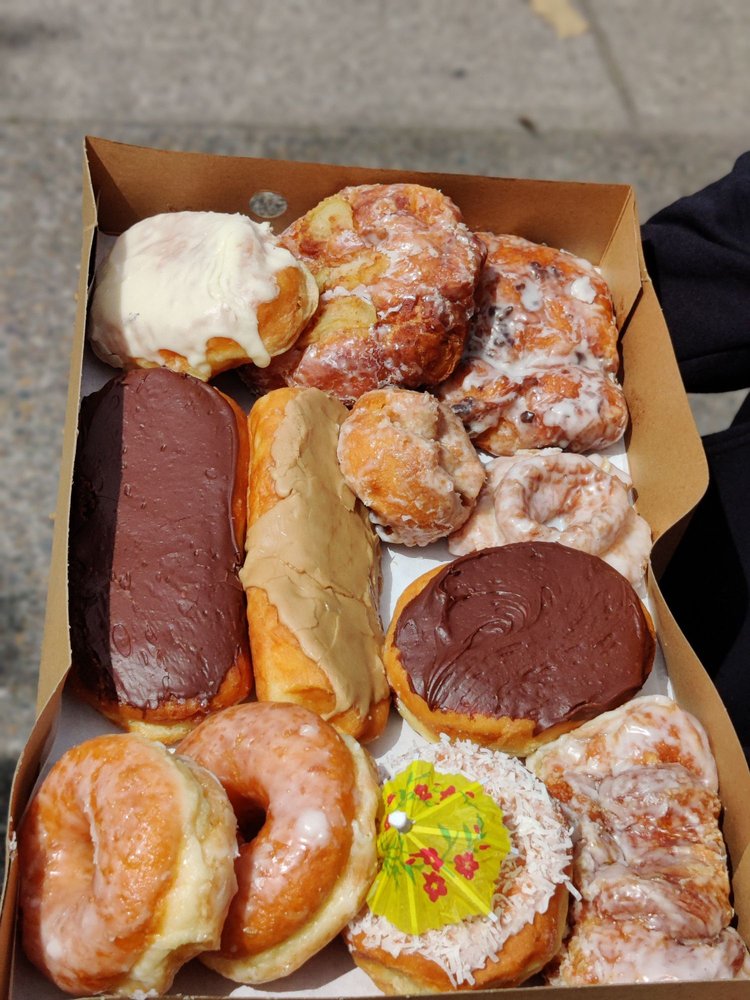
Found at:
<point>653,94</point>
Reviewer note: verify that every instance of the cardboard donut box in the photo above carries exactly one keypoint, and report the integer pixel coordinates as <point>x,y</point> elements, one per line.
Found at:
<point>123,184</point>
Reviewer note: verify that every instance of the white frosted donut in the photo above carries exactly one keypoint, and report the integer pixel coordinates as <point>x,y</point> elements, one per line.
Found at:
<point>126,856</point>
<point>198,292</point>
<point>530,904</point>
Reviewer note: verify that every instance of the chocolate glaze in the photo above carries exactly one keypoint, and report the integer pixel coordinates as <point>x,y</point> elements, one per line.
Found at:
<point>157,611</point>
<point>534,630</point>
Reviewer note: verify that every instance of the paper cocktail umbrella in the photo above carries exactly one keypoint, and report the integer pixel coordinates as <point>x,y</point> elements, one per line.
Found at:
<point>441,844</point>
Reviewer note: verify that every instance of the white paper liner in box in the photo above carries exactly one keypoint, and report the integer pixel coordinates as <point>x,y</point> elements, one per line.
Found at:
<point>331,973</point>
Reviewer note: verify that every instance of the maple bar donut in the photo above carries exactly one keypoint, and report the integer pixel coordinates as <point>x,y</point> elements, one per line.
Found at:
<point>525,925</point>
<point>306,872</point>
<point>127,867</point>
<point>158,513</point>
<point>514,645</point>
<point>396,270</point>
<point>639,787</point>
<point>558,497</point>
<point>540,364</point>
<point>410,461</point>
<point>312,568</point>
<point>198,292</point>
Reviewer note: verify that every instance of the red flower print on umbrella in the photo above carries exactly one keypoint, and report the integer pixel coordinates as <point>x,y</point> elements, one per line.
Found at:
<point>441,843</point>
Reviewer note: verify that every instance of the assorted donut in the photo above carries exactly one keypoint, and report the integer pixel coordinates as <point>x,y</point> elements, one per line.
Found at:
<point>417,384</point>
<point>541,360</point>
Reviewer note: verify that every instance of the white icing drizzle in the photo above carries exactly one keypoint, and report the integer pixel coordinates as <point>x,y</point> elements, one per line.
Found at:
<point>583,290</point>
<point>172,282</point>
<point>537,864</point>
<point>639,786</point>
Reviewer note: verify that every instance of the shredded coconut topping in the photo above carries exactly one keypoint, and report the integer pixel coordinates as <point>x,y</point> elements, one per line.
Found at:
<point>539,861</point>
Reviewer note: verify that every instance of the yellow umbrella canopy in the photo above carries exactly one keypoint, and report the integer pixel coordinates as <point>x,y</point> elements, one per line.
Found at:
<point>441,844</point>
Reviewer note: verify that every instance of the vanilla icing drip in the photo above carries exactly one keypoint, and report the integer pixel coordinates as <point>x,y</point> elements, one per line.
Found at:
<point>175,281</point>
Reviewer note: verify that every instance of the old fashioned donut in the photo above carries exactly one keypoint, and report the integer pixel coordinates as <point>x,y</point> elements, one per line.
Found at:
<point>198,292</point>
<point>639,788</point>
<point>559,497</point>
<point>158,513</point>
<point>411,463</point>
<point>539,368</point>
<point>306,872</point>
<point>514,645</point>
<point>396,269</point>
<point>530,905</point>
<point>126,857</point>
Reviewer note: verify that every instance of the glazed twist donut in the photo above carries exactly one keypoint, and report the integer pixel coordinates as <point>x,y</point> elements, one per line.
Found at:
<point>639,786</point>
<point>306,873</point>
<point>126,857</point>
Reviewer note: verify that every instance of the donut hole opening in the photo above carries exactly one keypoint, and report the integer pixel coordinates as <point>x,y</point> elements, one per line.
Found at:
<point>551,508</point>
<point>268,204</point>
<point>251,818</point>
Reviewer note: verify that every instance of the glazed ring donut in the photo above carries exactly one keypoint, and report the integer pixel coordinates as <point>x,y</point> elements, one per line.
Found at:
<point>562,498</point>
<point>410,461</point>
<point>126,857</point>
<point>198,292</point>
<point>396,270</point>
<point>531,901</point>
<point>580,409</point>
<point>307,871</point>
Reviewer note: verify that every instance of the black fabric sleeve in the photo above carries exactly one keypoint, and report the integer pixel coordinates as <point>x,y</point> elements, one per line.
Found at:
<point>698,255</point>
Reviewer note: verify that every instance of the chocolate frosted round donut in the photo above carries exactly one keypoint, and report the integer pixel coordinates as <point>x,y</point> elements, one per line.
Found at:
<point>512,646</point>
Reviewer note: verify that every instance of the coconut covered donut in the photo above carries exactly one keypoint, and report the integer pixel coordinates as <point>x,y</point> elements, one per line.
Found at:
<point>529,907</point>
<point>305,873</point>
<point>541,358</point>
<point>126,857</point>
<point>575,500</point>
<point>410,461</point>
<point>396,270</point>
<point>198,292</point>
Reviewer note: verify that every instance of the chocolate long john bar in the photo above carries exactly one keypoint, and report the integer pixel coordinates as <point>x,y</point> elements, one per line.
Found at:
<point>157,617</point>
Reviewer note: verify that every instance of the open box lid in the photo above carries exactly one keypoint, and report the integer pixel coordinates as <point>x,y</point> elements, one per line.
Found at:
<point>123,184</point>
